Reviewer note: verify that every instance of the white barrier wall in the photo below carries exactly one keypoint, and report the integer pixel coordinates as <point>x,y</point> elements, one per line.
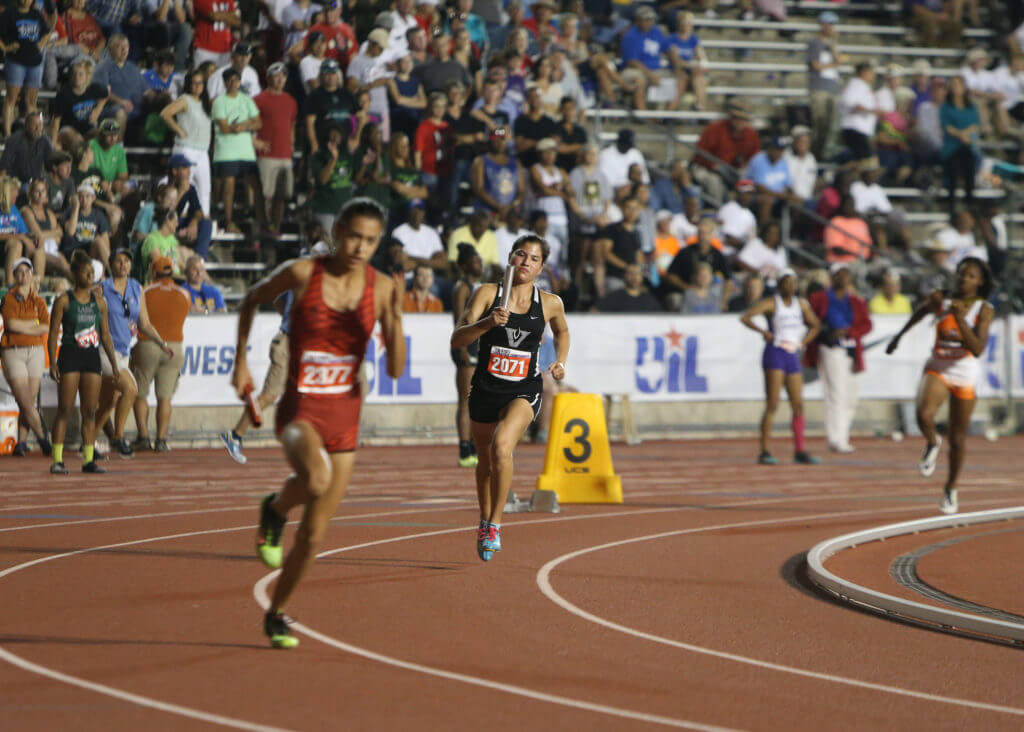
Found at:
<point>651,358</point>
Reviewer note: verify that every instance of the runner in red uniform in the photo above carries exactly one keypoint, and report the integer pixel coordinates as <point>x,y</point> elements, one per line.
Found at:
<point>338,298</point>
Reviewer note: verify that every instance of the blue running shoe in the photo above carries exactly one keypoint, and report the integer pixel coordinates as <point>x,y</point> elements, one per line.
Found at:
<point>492,540</point>
<point>481,537</point>
<point>234,447</point>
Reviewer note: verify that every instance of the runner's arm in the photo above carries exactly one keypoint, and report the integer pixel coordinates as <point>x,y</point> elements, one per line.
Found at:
<point>291,275</point>
<point>393,294</point>
<point>560,330</point>
<point>929,306</point>
<point>473,324</point>
<point>763,307</point>
<point>976,338</point>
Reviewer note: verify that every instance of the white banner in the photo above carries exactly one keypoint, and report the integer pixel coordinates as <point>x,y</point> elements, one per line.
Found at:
<point>651,358</point>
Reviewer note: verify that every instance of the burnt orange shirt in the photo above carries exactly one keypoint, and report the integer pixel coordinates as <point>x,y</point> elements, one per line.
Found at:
<point>31,308</point>
<point>168,306</point>
<point>413,304</point>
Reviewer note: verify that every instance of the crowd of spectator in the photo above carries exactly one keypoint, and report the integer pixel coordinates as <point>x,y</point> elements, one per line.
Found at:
<point>464,120</point>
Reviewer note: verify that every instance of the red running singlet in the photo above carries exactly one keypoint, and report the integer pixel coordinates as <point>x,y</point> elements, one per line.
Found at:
<point>326,349</point>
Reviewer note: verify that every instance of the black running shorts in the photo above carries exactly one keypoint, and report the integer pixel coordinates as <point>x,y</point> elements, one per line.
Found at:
<point>486,406</point>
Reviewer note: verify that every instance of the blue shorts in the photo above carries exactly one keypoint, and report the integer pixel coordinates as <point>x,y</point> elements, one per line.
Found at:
<point>235,169</point>
<point>18,75</point>
<point>779,359</point>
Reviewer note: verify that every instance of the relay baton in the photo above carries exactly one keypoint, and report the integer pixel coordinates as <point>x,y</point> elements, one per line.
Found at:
<point>252,406</point>
<point>506,291</point>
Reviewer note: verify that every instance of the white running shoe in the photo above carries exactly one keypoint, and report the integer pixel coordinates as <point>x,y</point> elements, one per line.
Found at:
<point>234,447</point>
<point>930,458</point>
<point>949,502</point>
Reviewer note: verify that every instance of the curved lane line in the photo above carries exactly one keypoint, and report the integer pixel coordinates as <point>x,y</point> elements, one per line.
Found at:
<point>544,583</point>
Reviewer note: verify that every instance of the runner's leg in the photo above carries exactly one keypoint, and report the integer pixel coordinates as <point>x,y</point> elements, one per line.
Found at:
<point>959,420</point>
<point>336,470</point>
<point>772,387</point>
<point>509,431</point>
<point>483,433</point>
<point>795,391</point>
<point>930,396</point>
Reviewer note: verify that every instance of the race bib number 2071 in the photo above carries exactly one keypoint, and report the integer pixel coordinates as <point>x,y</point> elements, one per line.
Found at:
<point>509,364</point>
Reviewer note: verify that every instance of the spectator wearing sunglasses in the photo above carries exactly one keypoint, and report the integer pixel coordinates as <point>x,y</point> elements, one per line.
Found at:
<point>126,316</point>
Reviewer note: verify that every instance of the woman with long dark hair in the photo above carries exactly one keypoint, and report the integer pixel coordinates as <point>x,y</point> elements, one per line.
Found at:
<point>961,125</point>
<point>506,393</point>
<point>188,117</point>
<point>82,312</point>
<point>962,323</point>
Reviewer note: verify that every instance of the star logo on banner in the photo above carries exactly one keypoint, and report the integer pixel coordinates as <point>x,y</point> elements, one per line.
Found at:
<point>675,340</point>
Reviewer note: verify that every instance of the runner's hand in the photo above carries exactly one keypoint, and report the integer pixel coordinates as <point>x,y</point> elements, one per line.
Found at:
<point>498,316</point>
<point>768,336</point>
<point>242,379</point>
<point>557,370</point>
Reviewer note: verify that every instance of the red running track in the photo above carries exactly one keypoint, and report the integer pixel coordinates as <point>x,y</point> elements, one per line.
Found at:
<point>130,600</point>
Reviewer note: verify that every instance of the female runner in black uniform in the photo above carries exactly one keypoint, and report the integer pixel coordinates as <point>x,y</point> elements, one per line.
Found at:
<point>506,391</point>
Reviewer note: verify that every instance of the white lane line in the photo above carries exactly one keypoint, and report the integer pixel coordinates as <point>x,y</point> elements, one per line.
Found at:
<point>127,696</point>
<point>246,507</point>
<point>261,595</point>
<point>544,583</point>
<point>151,703</point>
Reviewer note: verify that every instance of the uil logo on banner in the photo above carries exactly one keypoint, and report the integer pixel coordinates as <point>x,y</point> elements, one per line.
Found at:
<point>667,364</point>
<point>516,335</point>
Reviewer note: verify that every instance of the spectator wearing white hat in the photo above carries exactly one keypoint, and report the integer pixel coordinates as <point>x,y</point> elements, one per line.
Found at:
<point>85,226</point>
<point>803,167</point>
<point>981,84</point>
<point>886,93</point>
<point>26,323</point>
<point>369,69</point>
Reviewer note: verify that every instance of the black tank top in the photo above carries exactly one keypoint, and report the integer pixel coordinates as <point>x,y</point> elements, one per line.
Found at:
<point>508,353</point>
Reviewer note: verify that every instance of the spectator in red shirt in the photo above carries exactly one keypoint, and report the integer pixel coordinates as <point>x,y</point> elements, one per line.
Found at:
<point>434,148</point>
<point>341,39</point>
<point>542,10</point>
<point>275,142</point>
<point>733,141</point>
<point>77,35</point>
<point>214,20</point>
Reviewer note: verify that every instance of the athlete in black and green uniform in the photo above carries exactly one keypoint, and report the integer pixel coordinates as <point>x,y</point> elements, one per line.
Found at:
<point>83,315</point>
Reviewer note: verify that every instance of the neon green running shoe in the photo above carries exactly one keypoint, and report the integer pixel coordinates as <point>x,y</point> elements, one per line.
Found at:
<point>470,461</point>
<point>268,539</point>
<point>275,626</point>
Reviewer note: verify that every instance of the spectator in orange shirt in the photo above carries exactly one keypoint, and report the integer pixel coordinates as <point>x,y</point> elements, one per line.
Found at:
<point>168,305</point>
<point>666,246</point>
<point>419,299</point>
<point>26,323</point>
<point>848,238</point>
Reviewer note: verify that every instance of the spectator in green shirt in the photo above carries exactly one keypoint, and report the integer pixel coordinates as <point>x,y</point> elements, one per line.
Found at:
<point>235,117</point>
<point>163,243</point>
<point>109,159</point>
<point>334,174</point>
